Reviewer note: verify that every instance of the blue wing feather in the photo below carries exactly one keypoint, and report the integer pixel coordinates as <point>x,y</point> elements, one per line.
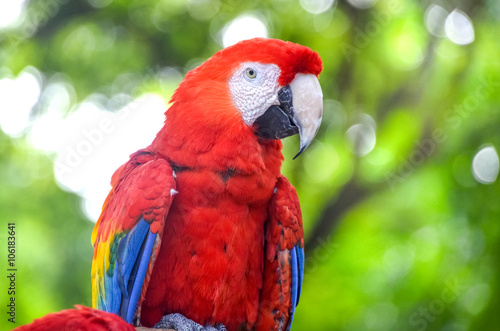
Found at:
<point>141,273</point>
<point>297,266</point>
<point>128,251</point>
<point>301,261</point>
<point>111,300</point>
<point>123,285</point>
<point>295,287</point>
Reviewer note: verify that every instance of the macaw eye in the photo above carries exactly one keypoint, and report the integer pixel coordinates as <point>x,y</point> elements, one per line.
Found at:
<point>251,73</point>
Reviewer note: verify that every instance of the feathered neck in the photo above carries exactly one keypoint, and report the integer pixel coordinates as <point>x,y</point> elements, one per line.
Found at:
<point>211,138</point>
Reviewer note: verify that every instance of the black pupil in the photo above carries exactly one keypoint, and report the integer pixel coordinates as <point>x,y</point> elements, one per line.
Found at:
<point>251,72</point>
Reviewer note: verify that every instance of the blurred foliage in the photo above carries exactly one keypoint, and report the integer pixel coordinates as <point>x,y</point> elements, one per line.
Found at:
<point>402,238</point>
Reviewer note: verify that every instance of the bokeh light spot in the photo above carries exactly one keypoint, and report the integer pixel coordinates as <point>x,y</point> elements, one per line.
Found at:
<point>10,12</point>
<point>242,28</point>
<point>362,4</point>
<point>316,6</point>
<point>485,165</point>
<point>203,10</point>
<point>43,134</point>
<point>362,136</point>
<point>17,97</point>
<point>476,297</point>
<point>96,142</point>
<point>435,16</point>
<point>458,28</point>
<point>408,52</point>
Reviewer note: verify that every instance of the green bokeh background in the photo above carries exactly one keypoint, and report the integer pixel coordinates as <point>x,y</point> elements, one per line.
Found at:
<point>402,238</point>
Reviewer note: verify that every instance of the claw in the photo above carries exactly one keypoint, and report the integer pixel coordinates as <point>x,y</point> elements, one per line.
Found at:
<point>181,323</point>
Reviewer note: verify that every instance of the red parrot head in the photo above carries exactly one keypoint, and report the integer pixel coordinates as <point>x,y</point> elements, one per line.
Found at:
<point>272,84</point>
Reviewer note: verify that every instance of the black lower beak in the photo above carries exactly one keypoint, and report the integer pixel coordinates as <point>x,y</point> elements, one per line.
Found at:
<point>277,122</point>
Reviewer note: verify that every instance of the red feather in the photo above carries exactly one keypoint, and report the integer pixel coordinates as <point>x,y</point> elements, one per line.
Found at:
<point>79,319</point>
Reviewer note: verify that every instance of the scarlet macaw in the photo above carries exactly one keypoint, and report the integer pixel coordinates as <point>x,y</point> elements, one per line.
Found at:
<point>202,222</point>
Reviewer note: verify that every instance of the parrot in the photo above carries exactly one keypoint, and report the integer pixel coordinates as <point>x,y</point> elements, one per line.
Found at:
<point>82,319</point>
<point>200,230</point>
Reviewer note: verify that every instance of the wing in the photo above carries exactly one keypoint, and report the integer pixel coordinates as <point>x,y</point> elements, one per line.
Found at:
<point>283,260</point>
<point>128,234</point>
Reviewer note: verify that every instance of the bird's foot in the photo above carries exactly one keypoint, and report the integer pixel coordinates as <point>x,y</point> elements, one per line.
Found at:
<point>181,323</point>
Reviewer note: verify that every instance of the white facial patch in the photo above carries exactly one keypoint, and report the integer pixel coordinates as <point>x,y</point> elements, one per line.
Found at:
<point>254,87</point>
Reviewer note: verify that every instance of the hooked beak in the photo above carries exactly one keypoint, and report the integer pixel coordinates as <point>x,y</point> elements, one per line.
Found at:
<point>300,111</point>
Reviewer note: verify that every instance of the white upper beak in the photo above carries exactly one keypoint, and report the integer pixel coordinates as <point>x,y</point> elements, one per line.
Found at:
<point>307,107</point>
